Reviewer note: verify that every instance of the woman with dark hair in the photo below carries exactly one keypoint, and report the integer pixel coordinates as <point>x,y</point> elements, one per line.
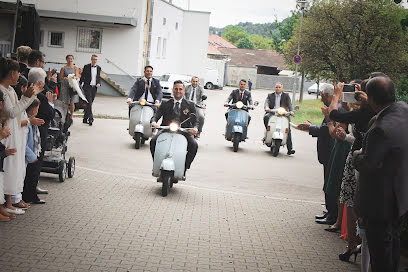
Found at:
<point>66,93</point>
<point>12,110</point>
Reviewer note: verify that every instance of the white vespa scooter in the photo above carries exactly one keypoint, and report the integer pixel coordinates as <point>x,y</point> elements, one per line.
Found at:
<point>276,133</point>
<point>170,156</point>
<point>139,123</point>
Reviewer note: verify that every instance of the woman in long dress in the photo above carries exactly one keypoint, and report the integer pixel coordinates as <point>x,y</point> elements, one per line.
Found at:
<point>12,110</point>
<point>66,94</point>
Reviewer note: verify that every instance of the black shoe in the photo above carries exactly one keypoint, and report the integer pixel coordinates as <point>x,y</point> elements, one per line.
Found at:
<point>40,201</point>
<point>85,121</point>
<point>291,152</point>
<point>323,216</point>
<point>327,221</point>
<point>332,229</point>
<point>90,122</point>
<point>41,191</point>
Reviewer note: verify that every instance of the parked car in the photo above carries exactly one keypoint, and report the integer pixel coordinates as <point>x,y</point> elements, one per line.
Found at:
<point>313,89</point>
<point>210,79</point>
<point>167,80</point>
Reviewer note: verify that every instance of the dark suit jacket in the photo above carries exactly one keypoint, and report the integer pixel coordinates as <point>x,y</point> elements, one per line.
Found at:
<point>86,76</point>
<point>138,89</point>
<point>285,101</point>
<point>382,192</point>
<point>325,142</point>
<point>166,110</point>
<point>235,96</point>
<point>45,112</point>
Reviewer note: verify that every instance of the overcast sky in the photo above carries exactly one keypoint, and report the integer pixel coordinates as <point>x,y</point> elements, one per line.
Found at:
<point>226,12</point>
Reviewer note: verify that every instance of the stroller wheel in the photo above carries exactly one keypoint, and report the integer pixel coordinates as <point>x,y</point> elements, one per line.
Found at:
<point>62,171</point>
<point>71,167</point>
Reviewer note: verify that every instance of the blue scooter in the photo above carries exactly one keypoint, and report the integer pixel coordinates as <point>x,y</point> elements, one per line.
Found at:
<point>237,124</point>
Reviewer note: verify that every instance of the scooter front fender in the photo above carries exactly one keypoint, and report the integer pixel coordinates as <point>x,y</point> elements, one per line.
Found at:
<point>167,165</point>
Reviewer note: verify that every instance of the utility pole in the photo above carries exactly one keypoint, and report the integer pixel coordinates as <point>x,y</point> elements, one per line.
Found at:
<point>302,4</point>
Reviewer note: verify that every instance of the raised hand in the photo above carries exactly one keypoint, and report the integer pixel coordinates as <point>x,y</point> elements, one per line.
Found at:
<point>29,91</point>
<point>51,97</point>
<point>36,121</point>
<point>340,133</point>
<point>4,132</point>
<point>338,89</point>
<point>10,151</point>
<point>326,113</point>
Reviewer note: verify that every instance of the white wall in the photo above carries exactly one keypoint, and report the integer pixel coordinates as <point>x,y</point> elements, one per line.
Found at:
<point>218,65</point>
<point>170,62</point>
<point>195,42</point>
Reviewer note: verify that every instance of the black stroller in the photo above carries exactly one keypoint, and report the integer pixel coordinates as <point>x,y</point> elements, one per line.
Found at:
<point>56,147</point>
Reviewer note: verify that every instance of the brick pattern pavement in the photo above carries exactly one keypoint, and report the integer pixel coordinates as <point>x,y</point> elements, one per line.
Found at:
<point>100,222</point>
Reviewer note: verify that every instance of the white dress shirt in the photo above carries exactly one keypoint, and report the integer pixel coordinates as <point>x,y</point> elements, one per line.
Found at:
<point>149,94</point>
<point>93,75</point>
<point>277,100</point>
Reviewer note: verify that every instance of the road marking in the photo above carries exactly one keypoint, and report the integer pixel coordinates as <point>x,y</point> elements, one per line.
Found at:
<point>196,187</point>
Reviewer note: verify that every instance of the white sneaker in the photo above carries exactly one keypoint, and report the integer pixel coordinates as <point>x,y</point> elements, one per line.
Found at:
<point>16,211</point>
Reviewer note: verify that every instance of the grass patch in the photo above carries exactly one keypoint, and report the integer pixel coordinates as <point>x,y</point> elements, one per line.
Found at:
<point>309,110</point>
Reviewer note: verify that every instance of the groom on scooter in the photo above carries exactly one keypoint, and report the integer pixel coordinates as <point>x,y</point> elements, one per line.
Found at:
<point>275,101</point>
<point>242,95</point>
<point>181,111</point>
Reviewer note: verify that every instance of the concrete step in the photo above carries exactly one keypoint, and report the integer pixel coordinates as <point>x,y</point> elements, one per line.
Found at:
<point>114,85</point>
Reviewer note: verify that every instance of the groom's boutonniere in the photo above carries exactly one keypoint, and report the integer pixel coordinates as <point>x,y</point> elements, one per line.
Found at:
<point>186,111</point>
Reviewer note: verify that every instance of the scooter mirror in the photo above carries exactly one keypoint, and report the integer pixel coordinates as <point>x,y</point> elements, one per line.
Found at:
<point>256,103</point>
<point>204,97</point>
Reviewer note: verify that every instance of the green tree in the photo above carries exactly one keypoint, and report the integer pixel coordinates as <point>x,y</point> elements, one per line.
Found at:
<point>245,43</point>
<point>347,39</point>
<point>283,32</point>
<point>261,42</point>
<point>234,33</point>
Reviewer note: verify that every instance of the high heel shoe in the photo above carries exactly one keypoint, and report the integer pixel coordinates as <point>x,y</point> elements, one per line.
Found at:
<point>345,257</point>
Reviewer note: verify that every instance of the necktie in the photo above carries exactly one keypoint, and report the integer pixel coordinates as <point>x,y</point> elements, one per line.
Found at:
<point>147,89</point>
<point>177,109</point>
<point>242,96</point>
<point>192,98</point>
<point>93,66</point>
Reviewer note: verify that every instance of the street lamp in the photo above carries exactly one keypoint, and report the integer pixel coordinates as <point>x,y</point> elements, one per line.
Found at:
<point>302,5</point>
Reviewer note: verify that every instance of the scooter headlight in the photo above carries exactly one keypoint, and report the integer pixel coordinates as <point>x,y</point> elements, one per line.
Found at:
<point>142,102</point>
<point>239,105</point>
<point>173,127</point>
<point>281,111</point>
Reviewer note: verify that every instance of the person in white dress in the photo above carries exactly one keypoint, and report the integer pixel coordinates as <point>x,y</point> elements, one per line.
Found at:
<point>12,110</point>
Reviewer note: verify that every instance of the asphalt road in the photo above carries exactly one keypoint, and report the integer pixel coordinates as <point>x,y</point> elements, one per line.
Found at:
<point>107,146</point>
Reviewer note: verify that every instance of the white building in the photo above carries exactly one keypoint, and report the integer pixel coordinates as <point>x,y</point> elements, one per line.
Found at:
<point>126,34</point>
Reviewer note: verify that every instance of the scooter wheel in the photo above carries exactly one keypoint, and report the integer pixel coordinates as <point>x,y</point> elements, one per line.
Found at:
<point>237,139</point>
<point>166,181</point>
<point>275,147</point>
<point>138,140</point>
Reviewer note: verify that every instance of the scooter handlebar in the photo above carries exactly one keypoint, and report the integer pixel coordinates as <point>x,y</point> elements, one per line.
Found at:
<point>244,107</point>
<point>138,103</point>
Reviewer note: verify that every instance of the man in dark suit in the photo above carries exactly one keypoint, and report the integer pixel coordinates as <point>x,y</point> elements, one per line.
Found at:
<point>240,95</point>
<point>325,145</point>
<point>147,88</point>
<point>178,110</point>
<point>91,79</point>
<point>274,101</point>
<point>382,193</point>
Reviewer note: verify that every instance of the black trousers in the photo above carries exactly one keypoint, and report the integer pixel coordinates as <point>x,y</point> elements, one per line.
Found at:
<point>90,93</point>
<point>289,145</point>
<point>192,147</point>
<point>31,181</point>
<point>331,206</point>
<point>383,240</point>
